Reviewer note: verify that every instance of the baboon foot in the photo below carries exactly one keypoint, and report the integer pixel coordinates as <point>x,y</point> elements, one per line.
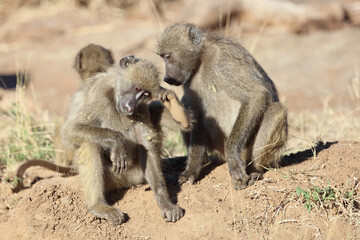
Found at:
<point>172,212</point>
<point>240,178</point>
<point>188,176</point>
<point>242,183</point>
<point>113,215</point>
<point>255,176</point>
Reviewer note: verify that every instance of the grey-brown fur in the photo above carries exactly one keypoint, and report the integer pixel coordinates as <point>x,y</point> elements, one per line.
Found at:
<point>161,118</point>
<point>92,59</point>
<point>238,113</point>
<point>115,143</point>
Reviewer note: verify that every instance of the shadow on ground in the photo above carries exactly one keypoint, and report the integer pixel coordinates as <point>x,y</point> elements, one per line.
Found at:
<point>301,156</point>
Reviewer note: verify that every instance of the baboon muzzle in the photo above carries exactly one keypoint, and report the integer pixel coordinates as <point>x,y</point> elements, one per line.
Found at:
<point>172,81</point>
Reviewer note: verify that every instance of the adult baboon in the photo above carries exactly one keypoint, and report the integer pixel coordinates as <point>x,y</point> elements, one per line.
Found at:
<point>236,104</point>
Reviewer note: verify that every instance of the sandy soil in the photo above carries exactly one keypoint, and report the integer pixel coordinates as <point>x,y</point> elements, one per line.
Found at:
<point>53,207</point>
<point>313,72</point>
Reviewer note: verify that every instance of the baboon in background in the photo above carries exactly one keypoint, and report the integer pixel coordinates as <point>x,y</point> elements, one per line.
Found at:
<point>115,143</point>
<point>236,104</point>
<point>90,60</point>
<point>93,59</point>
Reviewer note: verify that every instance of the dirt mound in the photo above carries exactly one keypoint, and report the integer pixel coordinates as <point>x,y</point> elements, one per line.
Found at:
<point>53,208</point>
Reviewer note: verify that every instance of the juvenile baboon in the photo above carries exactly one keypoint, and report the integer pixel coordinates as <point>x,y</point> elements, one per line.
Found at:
<point>93,59</point>
<point>90,60</point>
<point>236,104</point>
<point>159,117</point>
<point>115,143</point>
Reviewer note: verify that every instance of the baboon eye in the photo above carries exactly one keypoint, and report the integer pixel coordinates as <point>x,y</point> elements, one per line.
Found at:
<point>146,94</point>
<point>138,89</point>
<point>167,56</point>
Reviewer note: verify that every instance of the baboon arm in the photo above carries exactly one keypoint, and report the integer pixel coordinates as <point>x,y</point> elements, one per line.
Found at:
<point>94,134</point>
<point>106,139</point>
<point>197,155</point>
<point>154,176</point>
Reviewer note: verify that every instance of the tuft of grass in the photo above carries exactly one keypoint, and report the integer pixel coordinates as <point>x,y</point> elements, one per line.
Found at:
<point>28,136</point>
<point>316,196</point>
<point>330,199</point>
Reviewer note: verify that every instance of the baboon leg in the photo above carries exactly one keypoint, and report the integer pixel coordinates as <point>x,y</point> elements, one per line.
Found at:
<point>270,141</point>
<point>197,155</point>
<point>236,144</point>
<point>62,157</point>
<point>91,172</point>
<point>246,153</point>
<point>169,211</point>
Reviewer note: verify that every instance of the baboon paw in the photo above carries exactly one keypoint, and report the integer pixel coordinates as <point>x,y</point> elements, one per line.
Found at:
<point>119,167</point>
<point>239,185</point>
<point>119,162</point>
<point>172,213</point>
<point>240,182</point>
<point>171,102</point>
<point>187,177</point>
<point>166,95</point>
<point>116,217</point>
<point>238,174</point>
<point>113,215</point>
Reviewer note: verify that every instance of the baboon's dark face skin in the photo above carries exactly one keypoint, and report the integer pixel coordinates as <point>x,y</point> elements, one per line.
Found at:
<point>180,47</point>
<point>127,102</point>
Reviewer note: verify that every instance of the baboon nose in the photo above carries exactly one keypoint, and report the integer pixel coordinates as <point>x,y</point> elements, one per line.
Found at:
<point>129,108</point>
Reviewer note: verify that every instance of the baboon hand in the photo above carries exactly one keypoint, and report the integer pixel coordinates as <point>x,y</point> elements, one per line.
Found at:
<point>118,157</point>
<point>172,213</point>
<point>189,176</point>
<point>171,102</point>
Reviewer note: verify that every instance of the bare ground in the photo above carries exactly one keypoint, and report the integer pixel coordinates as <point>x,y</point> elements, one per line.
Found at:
<point>53,207</point>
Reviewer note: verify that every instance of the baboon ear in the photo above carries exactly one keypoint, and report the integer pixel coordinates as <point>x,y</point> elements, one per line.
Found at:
<point>126,61</point>
<point>111,56</point>
<point>77,63</point>
<point>195,35</point>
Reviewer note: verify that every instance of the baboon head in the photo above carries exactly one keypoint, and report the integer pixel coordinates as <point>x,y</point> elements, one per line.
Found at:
<point>180,46</point>
<point>138,82</point>
<point>93,59</point>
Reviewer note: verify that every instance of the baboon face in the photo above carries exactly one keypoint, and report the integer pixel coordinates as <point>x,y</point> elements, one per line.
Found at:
<point>180,46</point>
<point>136,84</point>
<point>128,101</point>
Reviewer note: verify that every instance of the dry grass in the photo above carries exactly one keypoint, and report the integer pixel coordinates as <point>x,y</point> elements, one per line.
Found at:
<point>27,135</point>
<point>328,124</point>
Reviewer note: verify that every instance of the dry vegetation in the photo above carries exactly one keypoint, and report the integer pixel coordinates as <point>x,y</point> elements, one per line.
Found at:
<point>314,195</point>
